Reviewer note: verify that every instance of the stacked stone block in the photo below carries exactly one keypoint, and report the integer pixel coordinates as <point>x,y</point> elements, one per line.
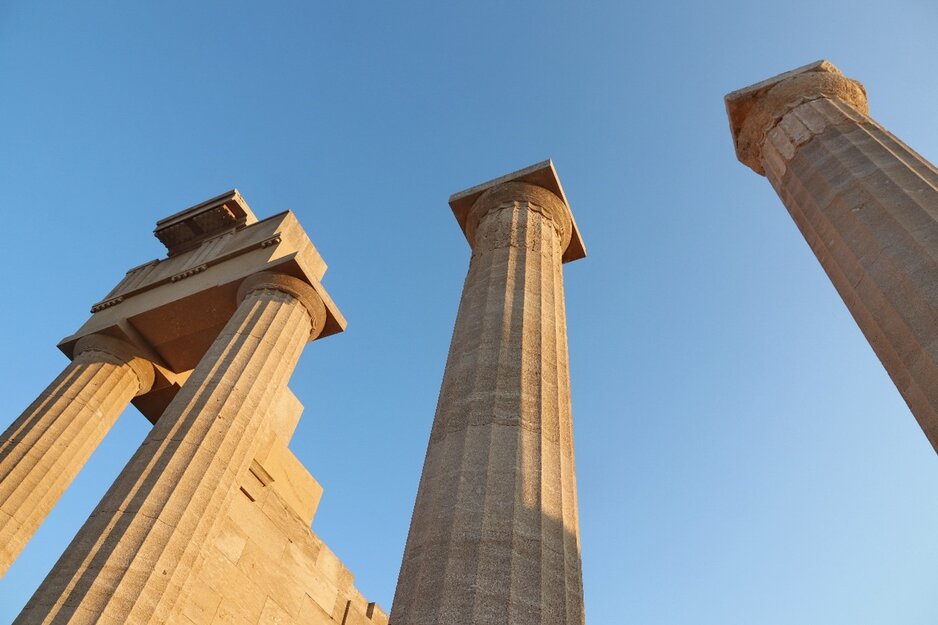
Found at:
<point>209,521</point>
<point>264,565</point>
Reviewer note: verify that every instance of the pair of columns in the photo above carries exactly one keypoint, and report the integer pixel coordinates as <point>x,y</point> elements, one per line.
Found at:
<point>131,558</point>
<point>494,536</point>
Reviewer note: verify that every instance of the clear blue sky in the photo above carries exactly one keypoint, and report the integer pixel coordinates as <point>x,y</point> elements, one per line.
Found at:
<point>742,456</point>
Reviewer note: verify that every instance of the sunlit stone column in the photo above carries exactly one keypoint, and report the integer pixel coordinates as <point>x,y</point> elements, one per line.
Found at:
<point>866,203</point>
<point>46,447</point>
<point>494,537</point>
<point>129,561</point>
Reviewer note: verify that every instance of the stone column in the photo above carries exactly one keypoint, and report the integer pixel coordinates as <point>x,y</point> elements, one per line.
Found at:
<point>494,536</point>
<point>46,447</point>
<point>132,557</point>
<point>866,203</point>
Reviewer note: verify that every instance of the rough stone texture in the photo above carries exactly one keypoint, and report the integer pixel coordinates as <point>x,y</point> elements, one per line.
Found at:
<point>494,536</point>
<point>757,109</point>
<point>262,564</point>
<point>542,175</point>
<point>276,467</point>
<point>209,522</point>
<point>867,205</point>
<point>132,558</point>
<point>46,447</point>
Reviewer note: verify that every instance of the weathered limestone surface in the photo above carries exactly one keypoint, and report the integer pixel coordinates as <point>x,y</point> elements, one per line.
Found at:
<point>209,522</point>
<point>132,558</point>
<point>494,537</point>
<point>174,307</point>
<point>46,447</point>
<point>866,203</point>
<point>262,564</point>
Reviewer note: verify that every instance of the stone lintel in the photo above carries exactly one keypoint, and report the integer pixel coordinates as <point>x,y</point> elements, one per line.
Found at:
<point>187,229</point>
<point>754,110</point>
<point>173,308</point>
<point>541,174</point>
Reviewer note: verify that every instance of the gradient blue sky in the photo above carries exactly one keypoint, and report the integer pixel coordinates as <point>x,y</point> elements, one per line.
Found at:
<point>742,456</point>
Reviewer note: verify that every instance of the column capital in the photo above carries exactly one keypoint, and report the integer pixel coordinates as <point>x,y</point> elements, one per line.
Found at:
<point>299,289</point>
<point>539,185</point>
<point>755,110</point>
<point>123,352</point>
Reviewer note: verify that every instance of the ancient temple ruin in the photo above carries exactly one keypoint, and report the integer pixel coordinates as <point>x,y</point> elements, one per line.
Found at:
<point>209,522</point>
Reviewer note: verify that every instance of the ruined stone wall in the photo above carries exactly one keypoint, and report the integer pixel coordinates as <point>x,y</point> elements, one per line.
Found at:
<point>263,564</point>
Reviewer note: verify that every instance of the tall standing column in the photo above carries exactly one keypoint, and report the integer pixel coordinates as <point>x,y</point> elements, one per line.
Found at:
<point>494,536</point>
<point>46,447</point>
<point>129,561</point>
<point>866,203</point>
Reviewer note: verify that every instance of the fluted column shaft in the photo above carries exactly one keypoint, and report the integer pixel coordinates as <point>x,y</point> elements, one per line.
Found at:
<point>494,537</point>
<point>129,561</point>
<point>867,204</point>
<point>46,447</point>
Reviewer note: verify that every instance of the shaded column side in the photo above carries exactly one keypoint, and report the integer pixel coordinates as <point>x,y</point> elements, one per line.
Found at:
<point>131,559</point>
<point>494,536</point>
<point>868,206</point>
<point>45,448</point>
